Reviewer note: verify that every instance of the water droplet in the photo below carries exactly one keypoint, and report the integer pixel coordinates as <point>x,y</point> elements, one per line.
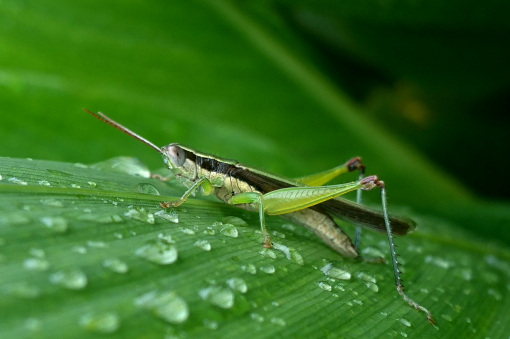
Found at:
<point>80,165</point>
<point>275,303</point>
<point>92,184</point>
<point>358,302</point>
<point>125,165</point>
<point>405,322</point>
<point>404,334</point>
<point>37,253</point>
<point>219,296</point>
<point>56,224</point>
<point>340,287</point>
<point>203,244</point>
<point>147,189</point>
<point>96,244</point>
<point>36,264</point>
<point>165,305</point>
<point>384,314</point>
<point>52,202</point>
<point>237,284</point>
<point>116,265</point>
<point>468,320</point>
<point>268,253</point>
<point>366,277</point>
<point>17,181</point>
<point>494,293</point>
<point>187,231</point>
<point>14,219</point>
<point>250,268</point>
<point>229,230</point>
<point>158,252</point>
<point>278,321</point>
<point>290,253</point>
<point>467,274</point>
<point>257,317</point>
<point>289,227</point>
<point>209,231</point>
<point>446,317</point>
<point>439,262</point>
<point>79,249</point>
<point>279,234</point>
<point>166,238</point>
<point>0,177</point>
<point>75,186</point>
<point>168,215</point>
<point>32,324</point>
<point>234,221</point>
<point>324,286</point>
<point>372,287</point>
<point>211,324</point>
<point>43,183</point>
<point>71,279</point>
<point>268,269</point>
<point>140,214</point>
<point>372,252</point>
<point>118,235</point>
<point>23,290</point>
<point>335,272</point>
<point>107,322</point>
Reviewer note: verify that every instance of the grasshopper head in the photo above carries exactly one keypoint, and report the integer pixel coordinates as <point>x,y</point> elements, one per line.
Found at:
<point>173,156</point>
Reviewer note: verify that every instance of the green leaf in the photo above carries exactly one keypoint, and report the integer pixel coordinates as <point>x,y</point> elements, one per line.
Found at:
<point>88,250</point>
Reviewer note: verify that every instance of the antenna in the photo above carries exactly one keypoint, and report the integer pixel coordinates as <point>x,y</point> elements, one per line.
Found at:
<point>121,128</point>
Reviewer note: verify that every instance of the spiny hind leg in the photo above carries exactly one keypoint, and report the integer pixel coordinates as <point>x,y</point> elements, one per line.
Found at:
<point>321,178</point>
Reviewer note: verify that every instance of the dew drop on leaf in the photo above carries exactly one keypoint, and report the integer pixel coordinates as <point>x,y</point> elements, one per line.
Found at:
<point>140,214</point>
<point>237,284</point>
<point>168,216</point>
<point>147,189</point>
<point>290,253</point>
<point>268,269</point>
<point>70,279</point>
<point>158,252</point>
<point>203,244</point>
<point>116,265</point>
<point>104,322</point>
<point>218,296</point>
<point>56,224</point>
<point>250,268</point>
<point>166,305</point>
<point>229,230</point>
<point>335,272</point>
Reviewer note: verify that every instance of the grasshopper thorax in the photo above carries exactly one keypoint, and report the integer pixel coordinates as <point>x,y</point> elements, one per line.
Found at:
<point>173,155</point>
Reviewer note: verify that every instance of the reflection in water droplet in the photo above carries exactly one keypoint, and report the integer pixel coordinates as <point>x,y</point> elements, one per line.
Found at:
<point>250,268</point>
<point>43,183</point>
<point>36,264</point>
<point>203,244</point>
<point>158,252</point>
<point>17,181</point>
<point>234,221</point>
<point>229,230</point>
<point>266,252</point>
<point>211,324</point>
<point>268,269</point>
<point>257,317</point>
<point>71,279</point>
<point>237,284</point>
<point>107,322</point>
<point>168,215</point>
<point>324,286</point>
<point>278,321</point>
<point>219,296</point>
<point>290,253</point>
<point>140,214</point>
<point>125,165</point>
<point>116,265</point>
<point>56,224</point>
<point>335,272</point>
<point>147,189</point>
<point>165,305</point>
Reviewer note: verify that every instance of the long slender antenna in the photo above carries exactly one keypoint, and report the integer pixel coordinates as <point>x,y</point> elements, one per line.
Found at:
<point>121,128</point>
<point>357,235</point>
<point>398,282</point>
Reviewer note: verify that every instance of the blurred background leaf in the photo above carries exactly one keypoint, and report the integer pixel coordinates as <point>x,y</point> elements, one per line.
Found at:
<point>291,87</point>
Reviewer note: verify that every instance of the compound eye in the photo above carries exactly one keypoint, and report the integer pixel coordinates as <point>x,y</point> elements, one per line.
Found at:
<point>176,155</point>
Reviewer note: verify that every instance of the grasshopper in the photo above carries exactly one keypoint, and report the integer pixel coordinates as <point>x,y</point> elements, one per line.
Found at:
<point>304,201</point>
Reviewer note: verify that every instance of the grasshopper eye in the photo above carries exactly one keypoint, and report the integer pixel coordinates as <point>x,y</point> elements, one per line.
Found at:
<point>176,156</point>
